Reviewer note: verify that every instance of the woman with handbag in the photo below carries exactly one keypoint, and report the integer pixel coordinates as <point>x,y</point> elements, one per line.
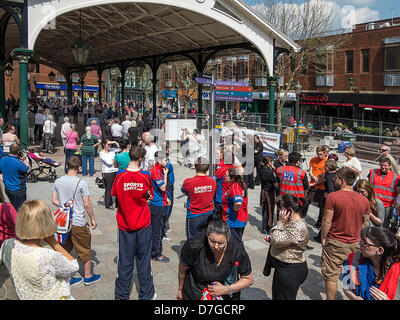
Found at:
<point>49,127</point>
<point>71,140</point>
<point>108,170</point>
<point>213,264</point>
<point>288,242</point>
<point>38,273</point>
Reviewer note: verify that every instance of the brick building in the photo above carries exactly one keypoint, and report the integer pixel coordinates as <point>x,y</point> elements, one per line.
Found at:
<point>39,84</point>
<point>371,59</point>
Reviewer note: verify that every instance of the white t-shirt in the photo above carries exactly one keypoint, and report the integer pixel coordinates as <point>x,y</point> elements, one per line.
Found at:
<point>64,128</point>
<point>355,163</point>
<point>125,126</point>
<point>150,155</point>
<point>116,130</point>
<point>49,126</point>
<point>107,162</point>
<point>65,188</point>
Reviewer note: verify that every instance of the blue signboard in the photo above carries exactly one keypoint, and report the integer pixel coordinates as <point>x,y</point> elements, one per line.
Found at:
<point>169,93</point>
<point>47,86</point>
<point>233,93</point>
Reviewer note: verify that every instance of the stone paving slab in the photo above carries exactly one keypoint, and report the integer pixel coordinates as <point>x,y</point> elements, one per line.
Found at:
<point>105,247</point>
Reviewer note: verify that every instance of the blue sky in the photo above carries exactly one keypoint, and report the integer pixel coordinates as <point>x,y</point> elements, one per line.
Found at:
<point>358,11</point>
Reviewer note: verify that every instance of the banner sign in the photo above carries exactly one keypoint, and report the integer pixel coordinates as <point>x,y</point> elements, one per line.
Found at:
<point>271,141</point>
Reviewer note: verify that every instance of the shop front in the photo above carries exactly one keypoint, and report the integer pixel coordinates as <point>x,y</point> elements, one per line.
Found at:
<point>358,106</point>
<point>48,91</point>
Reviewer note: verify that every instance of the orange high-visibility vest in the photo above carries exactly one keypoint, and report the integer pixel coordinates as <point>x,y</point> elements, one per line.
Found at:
<point>291,180</point>
<point>385,188</point>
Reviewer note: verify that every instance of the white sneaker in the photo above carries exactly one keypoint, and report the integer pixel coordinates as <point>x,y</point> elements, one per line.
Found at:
<point>168,231</point>
<point>166,239</point>
<point>155,296</point>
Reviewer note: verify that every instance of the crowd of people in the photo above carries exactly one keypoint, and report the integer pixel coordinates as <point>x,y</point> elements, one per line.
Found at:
<point>357,215</point>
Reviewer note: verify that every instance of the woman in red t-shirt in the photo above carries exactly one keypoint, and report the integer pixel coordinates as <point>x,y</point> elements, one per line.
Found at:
<point>234,203</point>
<point>8,216</point>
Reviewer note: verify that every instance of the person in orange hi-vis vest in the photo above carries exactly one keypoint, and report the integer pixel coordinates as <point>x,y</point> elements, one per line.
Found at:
<point>386,185</point>
<point>292,178</point>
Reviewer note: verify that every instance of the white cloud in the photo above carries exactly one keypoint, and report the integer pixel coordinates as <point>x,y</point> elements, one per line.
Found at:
<point>345,14</point>
<point>350,16</point>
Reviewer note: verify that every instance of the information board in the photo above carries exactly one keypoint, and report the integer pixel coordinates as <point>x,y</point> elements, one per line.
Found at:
<point>173,128</point>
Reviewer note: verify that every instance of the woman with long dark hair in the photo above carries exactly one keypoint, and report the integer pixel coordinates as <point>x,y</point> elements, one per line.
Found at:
<point>234,203</point>
<point>288,242</point>
<point>373,273</point>
<point>377,215</point>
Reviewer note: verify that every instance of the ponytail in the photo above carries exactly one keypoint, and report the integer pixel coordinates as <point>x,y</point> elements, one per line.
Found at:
<point>289,201</point>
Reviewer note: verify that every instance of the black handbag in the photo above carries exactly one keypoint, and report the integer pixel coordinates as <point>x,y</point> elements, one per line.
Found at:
<point>100,183</point>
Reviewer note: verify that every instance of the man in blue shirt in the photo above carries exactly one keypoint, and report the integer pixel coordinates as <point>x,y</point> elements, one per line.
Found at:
<point>13,169</point>
<point>158,205</point>
<point>170,194</point>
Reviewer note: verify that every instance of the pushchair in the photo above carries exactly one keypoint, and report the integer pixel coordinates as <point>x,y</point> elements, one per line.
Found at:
<point>305,141</point>
<point>42,168</point>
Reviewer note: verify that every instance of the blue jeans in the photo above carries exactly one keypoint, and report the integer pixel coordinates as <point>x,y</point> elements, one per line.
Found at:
<point>158,218</point>
<point>195,226</point>
<point>84,165</point>
<point>135,245</point>
<point>68,153</point>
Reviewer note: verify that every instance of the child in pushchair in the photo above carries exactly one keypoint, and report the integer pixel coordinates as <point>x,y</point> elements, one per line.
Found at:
<point>45,167</point>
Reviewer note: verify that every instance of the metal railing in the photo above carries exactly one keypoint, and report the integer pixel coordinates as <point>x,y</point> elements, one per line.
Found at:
<point>308,139</point>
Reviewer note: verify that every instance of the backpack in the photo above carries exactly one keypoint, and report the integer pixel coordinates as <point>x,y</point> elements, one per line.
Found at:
<point>63,217</point>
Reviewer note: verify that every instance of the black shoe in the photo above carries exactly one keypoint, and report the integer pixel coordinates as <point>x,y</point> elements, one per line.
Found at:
<point>317,238</point>
<point>110,207</point>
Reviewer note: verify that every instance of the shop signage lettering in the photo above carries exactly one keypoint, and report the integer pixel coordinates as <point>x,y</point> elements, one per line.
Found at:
<point>317,98</point>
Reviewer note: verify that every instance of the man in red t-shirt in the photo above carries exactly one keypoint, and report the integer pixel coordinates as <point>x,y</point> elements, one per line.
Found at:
<point>200,204</point>
<point>346,213</point>
<point>133,189</point>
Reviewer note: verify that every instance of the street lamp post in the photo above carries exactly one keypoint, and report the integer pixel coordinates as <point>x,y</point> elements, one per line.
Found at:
<point>298,88</point>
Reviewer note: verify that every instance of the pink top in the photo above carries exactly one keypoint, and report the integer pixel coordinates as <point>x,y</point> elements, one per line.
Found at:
<point>72,137</point>
<point>8,216</point>
<point>95,130</point>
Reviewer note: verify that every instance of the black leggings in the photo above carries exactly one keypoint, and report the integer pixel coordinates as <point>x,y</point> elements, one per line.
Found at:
<point>108,181</point>
<point>288,278</point>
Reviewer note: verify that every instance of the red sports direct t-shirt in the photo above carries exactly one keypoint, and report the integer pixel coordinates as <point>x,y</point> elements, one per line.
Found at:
<point>200,191</point>
<point>132,190</point>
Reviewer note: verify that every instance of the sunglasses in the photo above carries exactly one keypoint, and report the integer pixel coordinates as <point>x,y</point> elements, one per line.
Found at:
<point>365,244</point>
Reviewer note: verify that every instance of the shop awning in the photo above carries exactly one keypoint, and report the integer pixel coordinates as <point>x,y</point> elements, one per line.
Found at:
<point>378,107</point>
<point>330,104</point>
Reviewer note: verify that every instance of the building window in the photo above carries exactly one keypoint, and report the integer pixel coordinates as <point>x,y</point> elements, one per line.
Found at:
<point>349,62</point>
<point>260,66</point>
<point>324,62</point>
<point>365,60</point>
<point>392,58</point>
<point>243,68</point>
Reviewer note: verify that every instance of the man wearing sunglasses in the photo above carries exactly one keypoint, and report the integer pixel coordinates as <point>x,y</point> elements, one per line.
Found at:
<point>384,152</point>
